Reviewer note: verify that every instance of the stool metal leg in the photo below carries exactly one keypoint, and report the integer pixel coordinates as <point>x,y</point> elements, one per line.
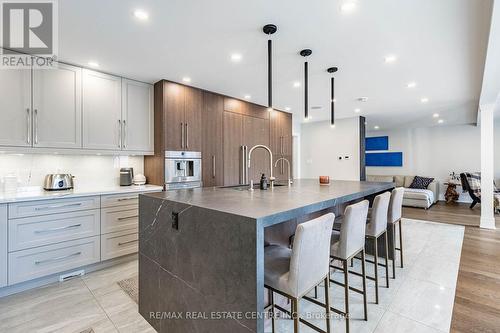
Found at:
<point>401,242</point>
<point>393,251</point>
<point>386,237</point>
<point>346,295</point>
<point>375,241</point>
<point>363,270</point>
<point>327,303</point>
<point>273,313</point>
<point>296,316</point>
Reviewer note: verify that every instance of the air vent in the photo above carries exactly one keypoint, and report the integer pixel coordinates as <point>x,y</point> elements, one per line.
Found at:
<point>317,107</point>
<point>72,275</point>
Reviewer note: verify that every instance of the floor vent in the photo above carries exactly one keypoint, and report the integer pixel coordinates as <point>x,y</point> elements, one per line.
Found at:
<point>72,275</point>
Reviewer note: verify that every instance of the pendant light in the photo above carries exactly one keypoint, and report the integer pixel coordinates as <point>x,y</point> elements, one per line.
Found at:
<point>332,70</point>
<point>270,29</point>
<point>305,53</point>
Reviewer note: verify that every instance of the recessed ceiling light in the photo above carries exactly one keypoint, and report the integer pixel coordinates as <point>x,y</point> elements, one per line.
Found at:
<point>296,84</point>
<point>440,121</point>
<point>411,84</point>
<point>390,59</point>
<point>248,97</point>
<point>236,57</point>
<point>186,79</point>
<point>141,14</point>
<point>348,6</point>
<point>287,108</point>
<point>435,115</point>
<point>424,100</point>
<point>94,64</point>
<point>357,110</point>
<point>376,127</point>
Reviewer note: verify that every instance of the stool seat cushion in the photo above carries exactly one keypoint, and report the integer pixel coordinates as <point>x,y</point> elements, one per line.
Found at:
<point>277,264</point>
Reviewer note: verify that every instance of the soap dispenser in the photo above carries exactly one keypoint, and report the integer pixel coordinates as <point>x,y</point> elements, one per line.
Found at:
<point>263,182</point>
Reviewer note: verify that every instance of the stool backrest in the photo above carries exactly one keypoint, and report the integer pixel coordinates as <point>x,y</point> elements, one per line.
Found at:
<point>378,218</point>
<point>311,253</point>
<point>352,230</point>
<point>396,204</point>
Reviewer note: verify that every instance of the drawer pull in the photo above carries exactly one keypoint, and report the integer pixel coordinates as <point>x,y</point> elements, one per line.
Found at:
<point>126,199</point>
<point>58,229</point>
<point>59,206</point>
<point>57,259</point>
<point>127,218</point>
<point>129,242</point>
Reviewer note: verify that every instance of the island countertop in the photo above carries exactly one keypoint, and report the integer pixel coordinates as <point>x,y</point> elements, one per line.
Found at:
<point>276,205</point>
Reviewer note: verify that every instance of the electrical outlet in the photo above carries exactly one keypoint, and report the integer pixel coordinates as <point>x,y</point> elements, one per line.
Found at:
<point>175,220</point>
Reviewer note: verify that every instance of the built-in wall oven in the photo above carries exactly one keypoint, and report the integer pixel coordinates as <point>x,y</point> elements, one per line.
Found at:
<point>182,170</point>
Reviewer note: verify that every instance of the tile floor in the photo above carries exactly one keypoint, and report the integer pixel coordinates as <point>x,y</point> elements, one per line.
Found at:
<point>419,300</point>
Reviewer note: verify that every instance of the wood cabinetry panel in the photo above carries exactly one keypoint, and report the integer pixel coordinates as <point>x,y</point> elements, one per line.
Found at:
<point>212,149</point>
<point>233,140</point>
<point>193,117</point>
<point>256,132</point>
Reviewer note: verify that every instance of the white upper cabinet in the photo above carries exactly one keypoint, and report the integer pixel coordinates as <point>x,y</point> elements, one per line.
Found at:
<point>137,116</point>
<point>102,122</point>
<point>57,113</point>
<point>15,108</point>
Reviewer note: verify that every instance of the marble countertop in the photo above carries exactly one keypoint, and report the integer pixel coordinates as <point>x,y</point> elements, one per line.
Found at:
<point>35,193</point>
<point>304,196</point>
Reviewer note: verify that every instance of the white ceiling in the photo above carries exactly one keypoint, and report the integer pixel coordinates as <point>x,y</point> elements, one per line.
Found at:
<point>440,45</point>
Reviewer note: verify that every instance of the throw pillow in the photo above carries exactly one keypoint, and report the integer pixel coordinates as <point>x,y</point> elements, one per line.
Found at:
<point>421,182</point>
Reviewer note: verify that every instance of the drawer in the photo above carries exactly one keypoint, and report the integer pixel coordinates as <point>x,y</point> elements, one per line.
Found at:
<point>119,219</point>
<point>119,200</point>
<point>45,207</point>
<point>118,244</point>
<point>3,245</point>
<point>36,231</point>
<point>41,261</point>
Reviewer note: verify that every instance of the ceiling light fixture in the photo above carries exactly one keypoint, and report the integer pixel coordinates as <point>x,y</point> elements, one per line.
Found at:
<point>306,53</point>
<point>332,70</point>
<point>357,110</point>
<point>287,108</point>
<point>376,127</point>
<point>411,84</point>
<point>248,97</point>
<point>269,29</point>
<point>296,84</point>
<point>424,100</point>
<point>435,115</point>
<point>390,59</point>
<point>141,14</point>
<point>348,6</point>
<point>236,57</point>
<point>186,79</point>
<point>440,121</point>
<point>94,64</point>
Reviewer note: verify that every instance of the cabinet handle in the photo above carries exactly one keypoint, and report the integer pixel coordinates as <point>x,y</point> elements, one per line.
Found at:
<point>282,148</point>
<point>213,166</point>
<point>127,218</point>
<point>58,206</point>
<point>182,135</point>
<point>124,134</point>
<point>129,242</point>
<point>28,122</point>
<point>58,258</point>
<point>187,135</point>
<point>126,199</point>
<point>36,126</point>
<point>119,133</point>
<point>57,229</point>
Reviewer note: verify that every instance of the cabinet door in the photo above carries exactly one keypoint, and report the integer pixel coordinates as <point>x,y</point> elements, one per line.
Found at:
<point>212,140</point>
<point>57,113</point>
<point>193,114</point>
<point>137,116</point>
<point>174,116</point>
<point>102,124</point>
<point>275,133</point>
<point>233,140</point>
<point>3,245</point>
<point>15,108</point>
<point>256,132</point>
<point>286,130</point>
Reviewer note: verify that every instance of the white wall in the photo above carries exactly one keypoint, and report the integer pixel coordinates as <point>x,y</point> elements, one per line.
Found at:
<point>89,171</point>
<point>437,151</point>
<point>321,146</point>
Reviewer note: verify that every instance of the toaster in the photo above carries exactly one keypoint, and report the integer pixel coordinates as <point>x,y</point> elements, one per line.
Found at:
<point>58,181</point>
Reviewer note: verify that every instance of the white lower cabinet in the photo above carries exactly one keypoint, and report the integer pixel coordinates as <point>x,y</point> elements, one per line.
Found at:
<point>118,244</point>
<point>3,245</point>
<point>119,219</point>
<point>46,260</point>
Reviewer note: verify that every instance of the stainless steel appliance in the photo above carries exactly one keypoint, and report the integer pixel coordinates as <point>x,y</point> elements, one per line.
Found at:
<point>182,170</point>
<point>58,182</point>
<point>126,176</point>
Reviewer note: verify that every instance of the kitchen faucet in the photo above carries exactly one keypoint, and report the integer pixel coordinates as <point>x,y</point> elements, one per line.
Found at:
<point>271,178</point>
<point>289,175</point>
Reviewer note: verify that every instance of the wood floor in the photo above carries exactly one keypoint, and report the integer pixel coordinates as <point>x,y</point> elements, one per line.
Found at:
<point>477,297</point>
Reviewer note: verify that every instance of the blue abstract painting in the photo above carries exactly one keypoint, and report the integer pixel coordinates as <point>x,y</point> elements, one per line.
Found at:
<point>389,159</point>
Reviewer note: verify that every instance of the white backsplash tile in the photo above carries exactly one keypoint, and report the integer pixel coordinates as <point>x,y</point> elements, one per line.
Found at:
<point>89,170</point>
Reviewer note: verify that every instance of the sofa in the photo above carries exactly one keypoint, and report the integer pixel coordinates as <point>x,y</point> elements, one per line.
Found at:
<point>412,197</point>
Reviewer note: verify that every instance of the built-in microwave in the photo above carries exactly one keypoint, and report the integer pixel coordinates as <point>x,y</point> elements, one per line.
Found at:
<point>182,169</point>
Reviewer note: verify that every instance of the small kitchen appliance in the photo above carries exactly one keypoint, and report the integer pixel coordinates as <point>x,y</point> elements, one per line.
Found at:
<point>58,182</point>
<point>126,176</point>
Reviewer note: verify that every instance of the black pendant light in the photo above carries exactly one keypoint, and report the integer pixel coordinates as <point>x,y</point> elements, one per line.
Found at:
<point>305,53</point>
<point>332,70</point>
<point>270,29</point>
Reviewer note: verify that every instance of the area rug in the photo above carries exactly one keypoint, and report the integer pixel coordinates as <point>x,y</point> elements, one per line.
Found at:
<point>131,287</point>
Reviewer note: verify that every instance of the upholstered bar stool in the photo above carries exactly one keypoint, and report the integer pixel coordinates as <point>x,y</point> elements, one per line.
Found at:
<point>376,228</point>
<point>394,218</point>
<point>346,244</point>
<point>294,272</point>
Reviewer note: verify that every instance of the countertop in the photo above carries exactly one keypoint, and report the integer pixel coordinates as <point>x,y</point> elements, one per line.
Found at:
<point>37,193</point>
<point>304,196</point>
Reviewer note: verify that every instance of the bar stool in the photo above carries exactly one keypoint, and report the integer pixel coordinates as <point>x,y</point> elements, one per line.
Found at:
<point>346,244</point>
<point>394,217</point>
<point>376,228</point>
<point>294,272</point>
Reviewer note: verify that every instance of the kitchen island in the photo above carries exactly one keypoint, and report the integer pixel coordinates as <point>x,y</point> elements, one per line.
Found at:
<point>201,251</point>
